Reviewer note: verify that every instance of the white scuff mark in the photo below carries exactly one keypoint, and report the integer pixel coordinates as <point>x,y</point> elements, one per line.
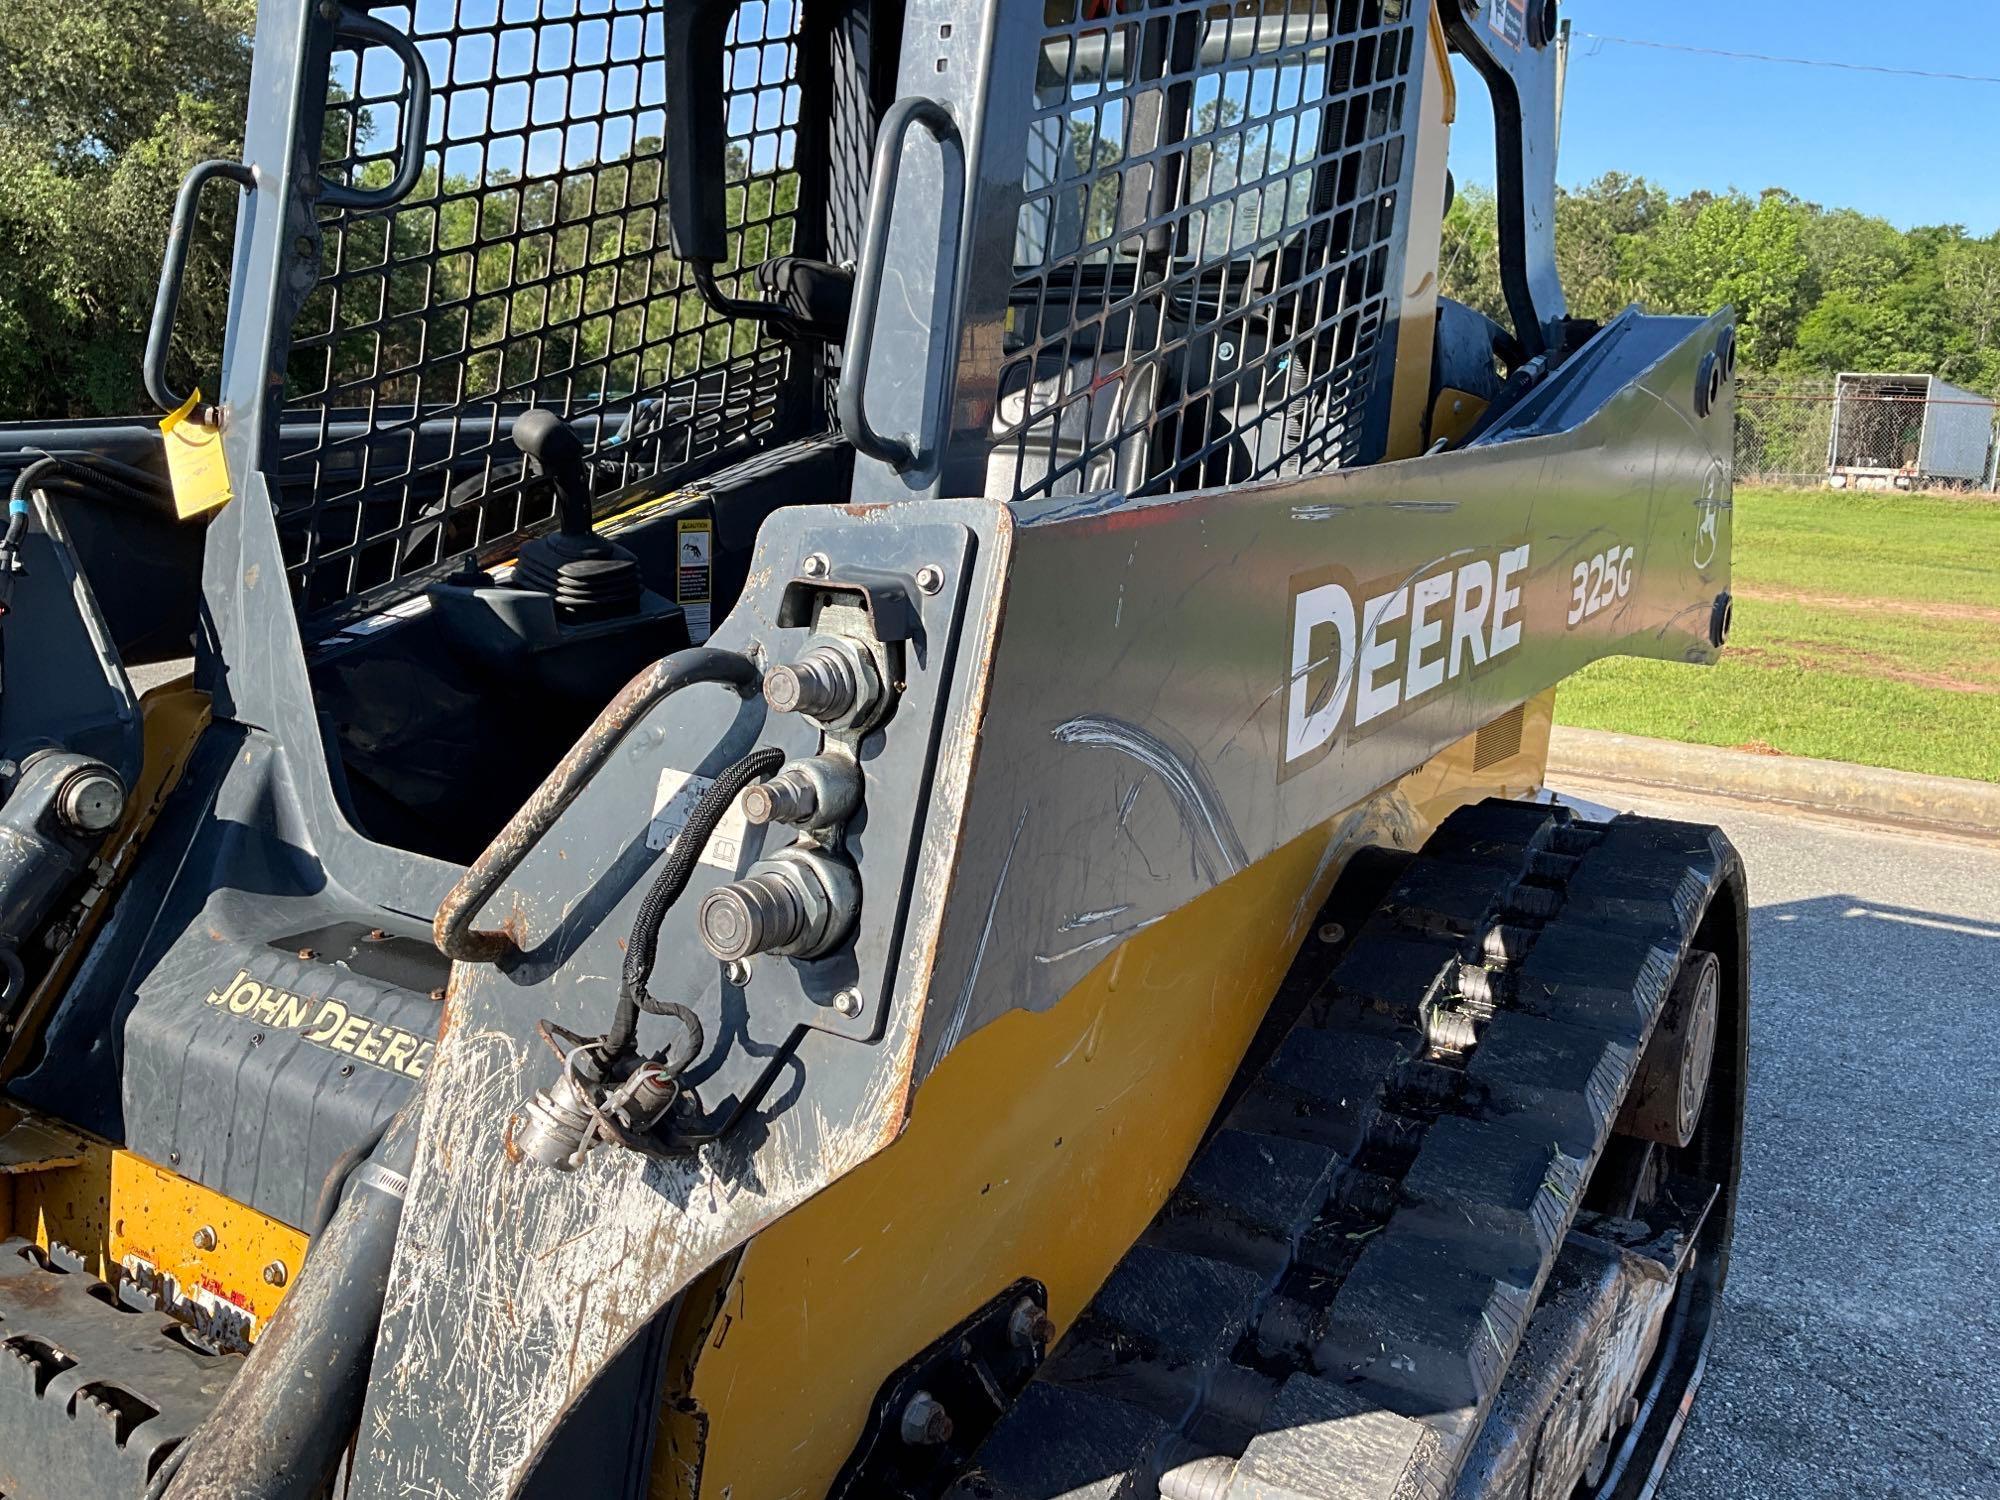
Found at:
<point>1078,919</point>
<point>1126,1090</point>
<point>1087,1042</point>
<point>1218,851</point>
<point>1699,607</point>
<point>1336,845</point>
<point>1076,510</point>
<point>1685,420</point>
<point>1098,942</point>
<point>1125,803</point>
<point>963,1004</point>
<point>1322,512</point>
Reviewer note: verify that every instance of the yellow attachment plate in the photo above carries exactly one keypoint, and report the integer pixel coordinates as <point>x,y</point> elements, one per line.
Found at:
<point>125,1216</point>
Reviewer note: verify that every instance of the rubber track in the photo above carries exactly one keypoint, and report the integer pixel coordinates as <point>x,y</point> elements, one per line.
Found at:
<point>1327,1304</point>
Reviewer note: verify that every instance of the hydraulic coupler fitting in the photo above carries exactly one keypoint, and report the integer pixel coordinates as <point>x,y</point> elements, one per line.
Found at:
<point>800,903</point>
<point>554,1126</point>
<point>558,1126</point>
<point>819,792</point>
<point>55,810</point>
<point>835,683</point>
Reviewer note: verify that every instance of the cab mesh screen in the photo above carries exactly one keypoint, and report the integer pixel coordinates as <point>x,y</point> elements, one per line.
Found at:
<point>531,266</point>
<point>1211,223</point>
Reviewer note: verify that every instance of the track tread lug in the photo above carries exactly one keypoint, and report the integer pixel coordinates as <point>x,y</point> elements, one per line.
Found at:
<point>1268,1182</point>
<point>1477,1178</point>
<point>1493,831</point>
<point>1620,995</point>
<point>1446,899</point>
<point>1328,1066</point>
<point>1412,1318</point>
<point>1171,1306</point>
<point>1061,1443</point>
<point>1565,1078</point>
<point>1389,973</point>
<point>1329,1441</point>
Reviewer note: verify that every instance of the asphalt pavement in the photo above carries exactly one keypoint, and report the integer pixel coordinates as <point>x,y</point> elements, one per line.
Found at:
<point>1859,1348</point>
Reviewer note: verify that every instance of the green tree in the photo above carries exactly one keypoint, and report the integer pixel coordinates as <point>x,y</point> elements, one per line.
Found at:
<point>106,106</point>
<point>1852,254</point>
<point>1469,253</point>
<point>1747,254</point>
<point>1603,232</point>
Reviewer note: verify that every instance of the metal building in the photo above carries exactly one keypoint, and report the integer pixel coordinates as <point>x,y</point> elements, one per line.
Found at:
<point>1907,432</point>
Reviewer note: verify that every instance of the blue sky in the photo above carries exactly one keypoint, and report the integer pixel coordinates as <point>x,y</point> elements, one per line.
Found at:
<point>1915,151</point>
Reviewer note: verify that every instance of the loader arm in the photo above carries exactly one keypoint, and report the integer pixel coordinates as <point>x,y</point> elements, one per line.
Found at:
<point>1238,695</point>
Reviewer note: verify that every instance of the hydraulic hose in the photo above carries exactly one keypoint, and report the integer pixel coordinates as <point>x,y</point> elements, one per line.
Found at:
<point>644,946</point>
<point>94,474</point>
<point>295,1405</point>
<point>334,1184</point>
<point>10,550</point>
<point>97,475</point>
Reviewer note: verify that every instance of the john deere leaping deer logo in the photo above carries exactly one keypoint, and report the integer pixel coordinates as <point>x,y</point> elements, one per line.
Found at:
<point>1709,508</point>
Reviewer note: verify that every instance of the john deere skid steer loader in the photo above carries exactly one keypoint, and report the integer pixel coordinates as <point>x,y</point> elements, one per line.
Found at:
<point>859,808</point>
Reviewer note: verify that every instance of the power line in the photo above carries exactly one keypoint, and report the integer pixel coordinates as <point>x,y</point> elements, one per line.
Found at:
<point>1797,62</point>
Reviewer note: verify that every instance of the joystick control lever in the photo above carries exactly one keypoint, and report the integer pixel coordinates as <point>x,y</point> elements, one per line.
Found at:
<point>590,578</point>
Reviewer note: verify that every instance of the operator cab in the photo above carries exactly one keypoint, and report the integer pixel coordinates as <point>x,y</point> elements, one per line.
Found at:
<point>652,242</point>
<point>538,407</point>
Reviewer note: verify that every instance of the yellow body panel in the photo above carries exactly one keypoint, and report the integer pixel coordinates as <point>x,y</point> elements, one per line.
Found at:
<point>1479,767</point>
<point>1040,1147</point>
<point>120,1212</point>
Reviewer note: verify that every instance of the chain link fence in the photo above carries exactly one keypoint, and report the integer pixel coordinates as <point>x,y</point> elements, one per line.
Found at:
<point>1864,432</point>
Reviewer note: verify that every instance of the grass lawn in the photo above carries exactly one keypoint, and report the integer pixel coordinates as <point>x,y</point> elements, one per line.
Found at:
<point>1867,629</point>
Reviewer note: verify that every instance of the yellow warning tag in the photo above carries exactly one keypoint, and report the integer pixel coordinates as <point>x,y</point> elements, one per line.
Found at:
<point>194,461</point>
<point>694,581</point>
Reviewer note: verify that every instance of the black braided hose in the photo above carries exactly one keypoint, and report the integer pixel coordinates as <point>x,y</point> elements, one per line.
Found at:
<point>643,947</point>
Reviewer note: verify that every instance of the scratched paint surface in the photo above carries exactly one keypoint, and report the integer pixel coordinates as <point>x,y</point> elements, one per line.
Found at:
<point>1166,710</point>
<point>513,1285</point>
<point>1133,752</point>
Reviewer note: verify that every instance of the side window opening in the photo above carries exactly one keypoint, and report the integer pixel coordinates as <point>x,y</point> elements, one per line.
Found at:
<point>530,266</point>
<point>1210,206</point>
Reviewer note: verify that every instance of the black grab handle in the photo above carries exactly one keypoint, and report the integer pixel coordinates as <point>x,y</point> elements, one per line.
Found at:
<point>359,26</point>
<point>900,451</point>
<point>697,32</point>
<point>167,300</point>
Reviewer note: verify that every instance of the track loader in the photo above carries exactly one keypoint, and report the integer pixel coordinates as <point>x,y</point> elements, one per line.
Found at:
<point>859,808</point>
